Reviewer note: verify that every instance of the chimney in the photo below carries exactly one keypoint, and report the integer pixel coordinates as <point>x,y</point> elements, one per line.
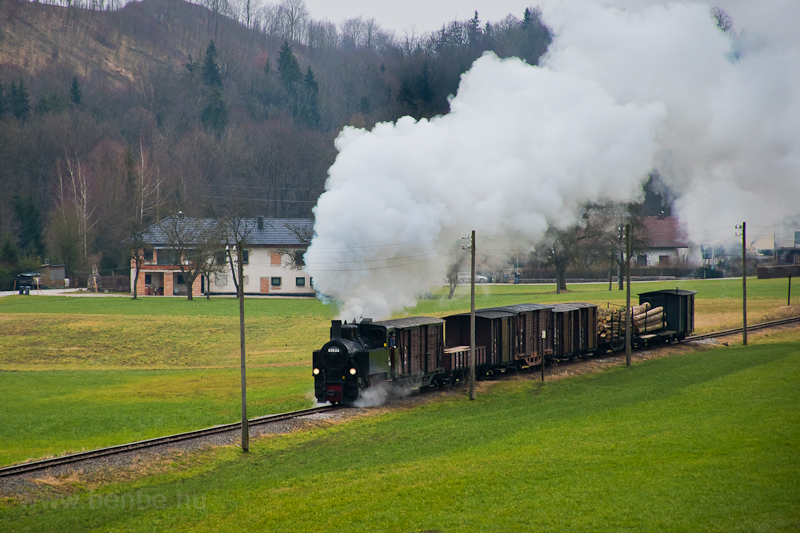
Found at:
<point>336,329</point>
<point>260,222</point>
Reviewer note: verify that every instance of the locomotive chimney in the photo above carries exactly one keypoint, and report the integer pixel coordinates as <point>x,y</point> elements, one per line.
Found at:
<point>336,329</point>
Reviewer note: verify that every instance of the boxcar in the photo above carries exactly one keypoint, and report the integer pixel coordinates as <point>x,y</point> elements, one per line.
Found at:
<point>416,347</point>
<point>493,339</point>
<point>574,330</point>
<point>531,333</point>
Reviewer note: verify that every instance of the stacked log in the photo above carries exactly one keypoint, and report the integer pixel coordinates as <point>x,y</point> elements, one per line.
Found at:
<point>644,319</point>
<point>610,323</point>
<point>648,321</point>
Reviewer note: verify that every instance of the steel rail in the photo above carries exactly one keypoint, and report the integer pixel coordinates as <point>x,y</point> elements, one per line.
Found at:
<point>150,443</point>
<point>735,331</point>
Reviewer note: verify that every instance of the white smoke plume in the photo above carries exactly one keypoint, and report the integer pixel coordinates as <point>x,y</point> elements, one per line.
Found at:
<point>620,92</point>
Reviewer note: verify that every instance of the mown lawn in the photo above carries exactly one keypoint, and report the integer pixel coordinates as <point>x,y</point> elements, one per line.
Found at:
<point>82,372</point>
<point>56,412</point>
<point>703,441</point>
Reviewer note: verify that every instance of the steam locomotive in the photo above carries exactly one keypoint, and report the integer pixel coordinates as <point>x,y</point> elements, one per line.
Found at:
<point>418,352</point>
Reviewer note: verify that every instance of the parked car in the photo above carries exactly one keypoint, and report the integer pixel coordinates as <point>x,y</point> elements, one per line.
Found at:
<point>27,281</point>
<point>463,277</point>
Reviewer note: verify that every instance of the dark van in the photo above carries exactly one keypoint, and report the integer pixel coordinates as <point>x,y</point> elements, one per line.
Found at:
<point>26,282</point>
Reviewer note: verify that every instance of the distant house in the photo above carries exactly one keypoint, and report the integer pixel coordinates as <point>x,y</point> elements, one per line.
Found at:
<point>273,259</point>
<point>668,244</point>
<point>53,275</point>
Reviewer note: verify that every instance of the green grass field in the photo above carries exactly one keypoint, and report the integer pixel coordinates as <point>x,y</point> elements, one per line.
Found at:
<point>84,372</point>
<point>703,441</point>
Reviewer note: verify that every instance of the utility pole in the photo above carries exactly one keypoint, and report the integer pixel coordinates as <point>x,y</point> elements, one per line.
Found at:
<point>743,227</point>
<point>472,323</point>
<point>628,298</point>
<point>245,425</point>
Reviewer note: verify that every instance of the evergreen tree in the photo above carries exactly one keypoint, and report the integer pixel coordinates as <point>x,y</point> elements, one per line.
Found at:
<point>309,113</point>
<point>288,67</point>
<point>75,93</point>
<point>30,219</point>
<point>20,101</point>
<point>212,76</point>
<point>527,17</point>
<point>215,113</point>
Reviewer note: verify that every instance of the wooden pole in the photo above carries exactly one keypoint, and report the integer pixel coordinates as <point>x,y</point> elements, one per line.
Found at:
<point>245,425</point>
<point>472,324</point>
<point>542,365</point>
<point>744,283</point>
<point>628,297</point>
<point>789,300</point>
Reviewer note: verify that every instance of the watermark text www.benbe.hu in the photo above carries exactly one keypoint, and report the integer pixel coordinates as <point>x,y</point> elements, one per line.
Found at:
<point>138,500</point>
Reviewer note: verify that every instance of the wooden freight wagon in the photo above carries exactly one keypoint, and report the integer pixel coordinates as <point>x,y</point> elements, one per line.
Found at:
<point>493,332</point>
<point>415,345</point>
<point>574,330</point>
<point>678,311</point>
<point>531,336</point>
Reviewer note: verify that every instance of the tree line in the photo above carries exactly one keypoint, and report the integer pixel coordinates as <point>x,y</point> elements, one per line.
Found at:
<point>155,107</point>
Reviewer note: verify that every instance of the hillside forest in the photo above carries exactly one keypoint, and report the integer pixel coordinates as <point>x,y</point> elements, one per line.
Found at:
<point>113,117</point>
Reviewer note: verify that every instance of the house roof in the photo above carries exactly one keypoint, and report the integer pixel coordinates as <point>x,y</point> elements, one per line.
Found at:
<point>665,232</point>
<point>273,231</point>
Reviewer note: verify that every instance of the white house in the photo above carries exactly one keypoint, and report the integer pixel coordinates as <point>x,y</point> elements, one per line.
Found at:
<point>669,245</point>
<point>273,258</point>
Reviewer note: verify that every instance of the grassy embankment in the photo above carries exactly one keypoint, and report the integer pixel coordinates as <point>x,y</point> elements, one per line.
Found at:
<point>701,441</point>
<point>79,373</point>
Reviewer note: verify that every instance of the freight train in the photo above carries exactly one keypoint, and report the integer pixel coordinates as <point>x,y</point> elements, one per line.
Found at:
<point>423,351</point>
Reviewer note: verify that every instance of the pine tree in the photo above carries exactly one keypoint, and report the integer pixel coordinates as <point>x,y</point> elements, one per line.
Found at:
<point>75,93</point>
<point>215,113</point>
<point>20,101</point>
<point>308,109</point>
<point>212,76</point>
<point>288,67</point>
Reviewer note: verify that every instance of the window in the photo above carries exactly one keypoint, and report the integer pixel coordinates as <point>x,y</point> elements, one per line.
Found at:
<point>179,280</point>
<point>220,258</point>
<point>299,258</point>
<point>663,260</point>
<point>165,257</point>
<point>245,281</point>
<point>275,259</point>
<point>148,256</point>
<point>300,282</point>
<point>246,257</point>
<point>148,279</point>
<point>220,280</point>
<point>275,283</point>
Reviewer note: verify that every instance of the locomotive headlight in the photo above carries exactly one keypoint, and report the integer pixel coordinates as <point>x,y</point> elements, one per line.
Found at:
<point>352,371</point>
<point>316,371</point>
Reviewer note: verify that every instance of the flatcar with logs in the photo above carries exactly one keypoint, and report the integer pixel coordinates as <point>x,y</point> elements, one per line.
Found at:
<point>417,352</point>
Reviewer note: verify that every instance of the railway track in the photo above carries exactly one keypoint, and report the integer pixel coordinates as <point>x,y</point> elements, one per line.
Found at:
<point>150,443</point>
<point>178,437</point>
<point>754,327</point>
